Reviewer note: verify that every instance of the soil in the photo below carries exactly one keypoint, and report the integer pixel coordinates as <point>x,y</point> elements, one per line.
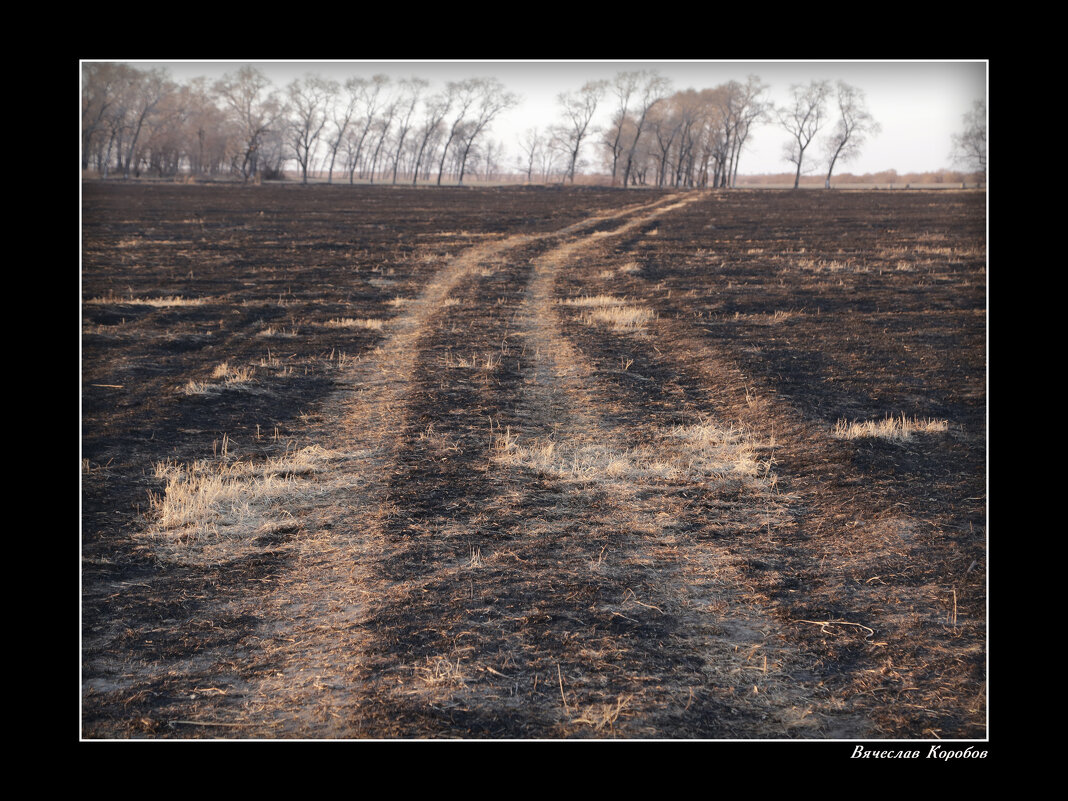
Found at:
<point>529,515</point>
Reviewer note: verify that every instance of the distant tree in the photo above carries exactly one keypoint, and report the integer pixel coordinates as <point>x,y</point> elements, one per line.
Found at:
<point>802,119</point>
<point>411,90</point>
<point>748,108</point>
<point>309,98</point>
<point>492,99</point>
<point>854,125</point>
<point>969,147</point>
<point>119,105</point>
<point>164,138</point>
<point>666,125</point>
<point>249,97</point>
<point>273,154</point>
<point>208,131</point>
<point>383,124</point>
<point>551,155</point>
<point>101,87</point>
<point>491,155</point>
<point>341,113</point>
<point>368,98</point>
<point>578,109</point>
<point>436,109</point>
<point>462,95</point>
<point>531,145</point>
<point>653,89</point>
<point>623,86</point>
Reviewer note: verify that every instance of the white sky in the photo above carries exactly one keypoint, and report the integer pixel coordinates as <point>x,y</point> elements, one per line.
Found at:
<point>918,104</point>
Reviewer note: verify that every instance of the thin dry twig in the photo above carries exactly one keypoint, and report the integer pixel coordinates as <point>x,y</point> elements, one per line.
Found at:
<point>563,698</point>
<point>824,623</point>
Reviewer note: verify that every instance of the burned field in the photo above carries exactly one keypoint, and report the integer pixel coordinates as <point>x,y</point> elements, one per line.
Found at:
<point>532,463</point>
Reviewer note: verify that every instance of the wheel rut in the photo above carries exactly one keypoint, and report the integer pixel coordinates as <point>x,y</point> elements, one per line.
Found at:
<point>396,470</point>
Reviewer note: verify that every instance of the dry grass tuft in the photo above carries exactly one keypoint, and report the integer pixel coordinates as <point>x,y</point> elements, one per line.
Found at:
<point>597,301</point>
<point>613,312</point>
<point>353,322</point>
<point>602,716</point>
<point>892,428</point>
<point>272,332</point>
<point>228,377</point>
<point>488,361</point>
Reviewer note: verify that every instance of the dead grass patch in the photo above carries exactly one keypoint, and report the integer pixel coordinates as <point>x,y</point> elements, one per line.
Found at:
<point>356,322</point>
<point>892,428</point>
<point>162,302</point>
<point>613,312</point>
<point>210,508</point>
<point>227,377</point>
<point>279,333</point>
<point>702,452</point>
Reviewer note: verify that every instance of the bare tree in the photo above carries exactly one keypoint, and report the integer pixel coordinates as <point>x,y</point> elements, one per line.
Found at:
<point>127,99</point>
<point>463,96</point>
<point>309,99</point>
<point>208,132</point>
<point>488,98</point>
<point>624,86</point>
<point>162,145</point>
<point>382,125</point>
<point>653,89</point>
<point>341,114</point>
<point>368,98</point>
<point>550,155</point>
<point>100,88</point>
<point>411,90</point>
<point>579,108</point>
<point>491,159</point>
<point>750,109</point>
<point>802,119</point>
<point>531,146</point>
<point>493,100</point>
<point>666,122</point>
<point>854,125</point>
<point>256,108</point>
<point>436,109</point>
<point>108,94</point>
<point>969,147</point>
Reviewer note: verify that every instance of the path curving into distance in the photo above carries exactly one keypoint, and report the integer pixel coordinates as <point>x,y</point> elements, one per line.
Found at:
<point>500,538</point>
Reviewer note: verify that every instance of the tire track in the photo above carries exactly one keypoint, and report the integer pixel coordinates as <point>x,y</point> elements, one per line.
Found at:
<point>558,592</point>
<point>317,678</point>
<point>692,653</point>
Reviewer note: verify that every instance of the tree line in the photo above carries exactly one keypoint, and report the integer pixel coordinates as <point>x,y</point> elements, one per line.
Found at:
<point>139,122</point>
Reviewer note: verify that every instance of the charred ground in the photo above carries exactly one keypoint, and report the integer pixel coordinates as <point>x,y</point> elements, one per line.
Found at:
<point>579,474</point>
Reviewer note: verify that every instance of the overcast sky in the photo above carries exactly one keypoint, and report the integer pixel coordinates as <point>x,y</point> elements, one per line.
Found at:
<point>918,104</point>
